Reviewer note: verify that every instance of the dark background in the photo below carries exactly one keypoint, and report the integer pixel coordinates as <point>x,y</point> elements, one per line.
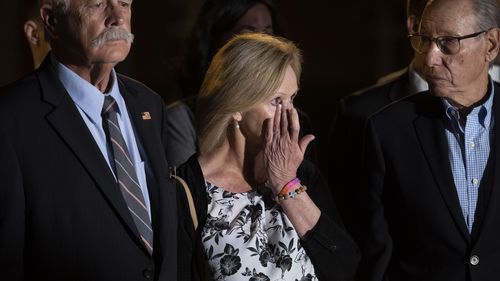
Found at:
<point>347,45</point>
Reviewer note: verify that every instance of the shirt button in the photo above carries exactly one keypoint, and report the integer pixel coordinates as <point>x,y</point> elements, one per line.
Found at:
<point>475,181</point>
<point>474,260</point>
<point>472,144</point>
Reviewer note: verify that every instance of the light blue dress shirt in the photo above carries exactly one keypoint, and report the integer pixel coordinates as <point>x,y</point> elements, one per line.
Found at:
<point>89,101</point>
<point>468,150</point>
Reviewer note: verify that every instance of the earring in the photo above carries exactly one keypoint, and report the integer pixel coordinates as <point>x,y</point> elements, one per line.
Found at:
<point>237,126</point>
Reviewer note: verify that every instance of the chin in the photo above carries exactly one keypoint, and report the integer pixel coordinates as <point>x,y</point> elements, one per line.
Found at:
<point>113,53</point>
<point>118,58</point>
<point>438,92</point>
<point>435,90</point>
<point>115,57</point>
<point>440,88</point>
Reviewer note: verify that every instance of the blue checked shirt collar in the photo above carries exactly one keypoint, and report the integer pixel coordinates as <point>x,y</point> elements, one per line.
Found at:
<point>483,111</point>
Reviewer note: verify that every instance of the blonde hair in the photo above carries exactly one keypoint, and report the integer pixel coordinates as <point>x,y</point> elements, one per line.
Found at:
<point>246,71</point>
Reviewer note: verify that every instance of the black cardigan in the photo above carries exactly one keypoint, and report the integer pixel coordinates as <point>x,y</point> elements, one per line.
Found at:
<point>333,253</point>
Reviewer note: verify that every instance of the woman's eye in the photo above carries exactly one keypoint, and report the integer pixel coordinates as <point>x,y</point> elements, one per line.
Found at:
<point>276,101</point>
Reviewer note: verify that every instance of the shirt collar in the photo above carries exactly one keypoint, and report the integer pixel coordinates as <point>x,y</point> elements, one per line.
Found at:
<point>85,95</point>
<point>482,111</point>
<point>417,83</point>
<point>495,72</point>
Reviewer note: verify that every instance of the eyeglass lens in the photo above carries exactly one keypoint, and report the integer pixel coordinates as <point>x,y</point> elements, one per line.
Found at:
<point>447,45</point>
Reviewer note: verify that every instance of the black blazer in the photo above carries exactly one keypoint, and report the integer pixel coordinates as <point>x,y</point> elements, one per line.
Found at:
<point>333,253</point>
<point>346,144</point>
<point>416,230</point>
<point>62,216</point>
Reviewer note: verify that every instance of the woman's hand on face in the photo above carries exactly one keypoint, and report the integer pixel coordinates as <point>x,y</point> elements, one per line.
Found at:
<point>283,151</point>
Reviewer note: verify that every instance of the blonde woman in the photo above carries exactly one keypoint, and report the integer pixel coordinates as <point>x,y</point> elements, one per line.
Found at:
<point>265,214</point>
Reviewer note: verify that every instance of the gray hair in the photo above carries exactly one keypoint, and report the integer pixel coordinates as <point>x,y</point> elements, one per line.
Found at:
<point>487,14</point>
<point>61,6</point>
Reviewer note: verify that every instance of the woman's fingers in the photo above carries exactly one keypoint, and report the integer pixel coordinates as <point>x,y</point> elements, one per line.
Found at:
<point>294,128</point>
<point>267,129</point>
<point>284,123</point>
<point>304,142</point>
<point>277,120</point>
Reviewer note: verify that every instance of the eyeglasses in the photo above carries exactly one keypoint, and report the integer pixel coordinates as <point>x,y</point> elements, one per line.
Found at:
<point>449,45</point>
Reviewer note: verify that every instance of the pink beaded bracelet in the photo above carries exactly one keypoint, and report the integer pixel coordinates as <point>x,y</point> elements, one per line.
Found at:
<point>292,194</point>
<point>289,186</point>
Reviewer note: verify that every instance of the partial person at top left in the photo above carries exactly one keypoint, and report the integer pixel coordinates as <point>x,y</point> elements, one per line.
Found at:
<point>84,194</point>
<point>35,33</point>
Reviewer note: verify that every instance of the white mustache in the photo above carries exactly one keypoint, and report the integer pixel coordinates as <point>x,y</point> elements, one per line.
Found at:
<point>111,35</point>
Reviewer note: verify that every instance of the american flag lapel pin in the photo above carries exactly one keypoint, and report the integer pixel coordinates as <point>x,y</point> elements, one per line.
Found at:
<point>145,115</point>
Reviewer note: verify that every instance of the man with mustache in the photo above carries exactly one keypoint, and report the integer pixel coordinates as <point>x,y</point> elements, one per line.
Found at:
<point>432,160</point>
<point>84,192</point>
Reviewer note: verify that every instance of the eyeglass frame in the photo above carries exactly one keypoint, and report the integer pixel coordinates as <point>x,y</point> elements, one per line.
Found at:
<point>436,40</point>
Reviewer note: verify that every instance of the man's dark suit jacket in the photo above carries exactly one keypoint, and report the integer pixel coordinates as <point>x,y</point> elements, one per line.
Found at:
<point>346,141</point>
<point>416,229</point>
<point>62,216</point>
<point>346,145</point>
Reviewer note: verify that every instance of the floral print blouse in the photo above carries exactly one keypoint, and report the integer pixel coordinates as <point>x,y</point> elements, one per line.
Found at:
<point>248,237</point>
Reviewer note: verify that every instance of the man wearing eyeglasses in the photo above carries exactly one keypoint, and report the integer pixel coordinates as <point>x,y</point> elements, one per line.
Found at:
<point>432,172</point>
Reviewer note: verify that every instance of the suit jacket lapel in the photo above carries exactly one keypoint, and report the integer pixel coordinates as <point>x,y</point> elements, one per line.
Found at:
<point>68,123</point>
<point>491,217</point>
<point>431,134</point>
